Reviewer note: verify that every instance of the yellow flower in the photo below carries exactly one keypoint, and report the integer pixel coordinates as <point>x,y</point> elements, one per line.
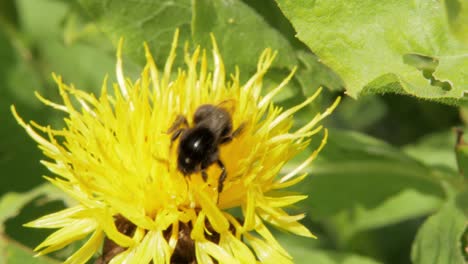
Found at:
<point>115,158</point>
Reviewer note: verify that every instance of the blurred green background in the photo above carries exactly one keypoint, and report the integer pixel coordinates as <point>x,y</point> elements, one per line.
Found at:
<point>387,188</point>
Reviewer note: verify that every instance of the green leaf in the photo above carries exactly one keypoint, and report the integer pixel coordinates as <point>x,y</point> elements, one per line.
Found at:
<point>457,13</point>
<point>359,114</point>
<point>439,238</point>
<point>272,14</point>
<point>18,208</point>
<point>11,203</point>
<point>407,204</point>
<point>16,153</point>
<point>141,20</point>
<point>461,151</point>
<point>35,50</point>
<point>239,41</point>
<point>301,256</point>
<point>378,47</point>
<point>436,149</point>
<point>231,23</point>
<point>8,13</point>
<point>55,51</point>
<point>291,95</point>
<point>313,74</point>
<point>14,253</point>
<point>241,44</point>
<point>304,250</point>
<point>365,183</point>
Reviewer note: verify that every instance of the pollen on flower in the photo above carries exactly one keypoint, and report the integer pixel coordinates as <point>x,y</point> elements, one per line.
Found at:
<point>117,156</point>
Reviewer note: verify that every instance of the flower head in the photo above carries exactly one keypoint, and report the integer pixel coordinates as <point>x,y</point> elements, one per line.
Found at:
<point>117,157</point>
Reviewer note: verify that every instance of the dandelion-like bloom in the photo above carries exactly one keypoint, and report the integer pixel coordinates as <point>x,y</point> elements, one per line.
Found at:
<point>116,159</point>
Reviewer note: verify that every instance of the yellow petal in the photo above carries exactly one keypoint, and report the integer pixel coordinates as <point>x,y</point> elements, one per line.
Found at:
<point>106,222</point>
<point>249,210</point>
<point>87,250</point>
<point>237,248</point>
<point>143,252</point>
<point>160,249</point>
<point>58,219</point>
<point>283,201</point>
<point>213,213</point>
<point>64,236</point>
<point>215,251</point>
<point>263,231</point>
<point>266,253</point>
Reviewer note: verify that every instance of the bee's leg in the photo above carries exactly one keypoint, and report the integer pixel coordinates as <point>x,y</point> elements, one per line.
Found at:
<point>180,120</point>
<point>222,177</point>
<point>210,159</point>
<point>239,129</point>
<point>175,135</point>
<point>175,129</point>
<point>234,134</point>
<point>204,174</point>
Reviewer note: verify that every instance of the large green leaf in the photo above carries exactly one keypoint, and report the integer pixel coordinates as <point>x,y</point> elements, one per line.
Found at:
<point>439,239</point>
<point>240,42</point>
<point>30,54</point>
<point>405,205</point>
<point>13,253</point>
<point>359,114</point>
<point>16,153</point>
<point>8,13</point>
<point>304,256</point>
<point>304,251</point>
<point>19,208</point>
<point>156,21</point>
<point>436,149</point>
<point>11,203</point>
<point>363,183</point>
<point>230,21</point>
<point>392,46</point>
<point>313,74</point>
<point>141,20</point>
<point>457,12</point>
<point>461,150</point>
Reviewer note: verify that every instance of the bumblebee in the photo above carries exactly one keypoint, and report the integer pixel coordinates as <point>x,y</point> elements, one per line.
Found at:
<point>199,145</point>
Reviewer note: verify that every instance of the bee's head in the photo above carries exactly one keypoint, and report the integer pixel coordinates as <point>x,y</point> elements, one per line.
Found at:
<point>195,147</point>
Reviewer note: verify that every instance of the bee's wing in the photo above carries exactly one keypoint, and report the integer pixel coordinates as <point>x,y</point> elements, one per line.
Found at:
<point>230,106</point>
